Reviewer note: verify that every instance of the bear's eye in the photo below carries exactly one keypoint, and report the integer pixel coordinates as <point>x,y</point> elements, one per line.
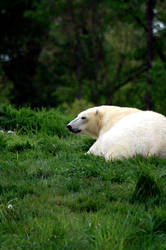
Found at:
<point>83,117</point>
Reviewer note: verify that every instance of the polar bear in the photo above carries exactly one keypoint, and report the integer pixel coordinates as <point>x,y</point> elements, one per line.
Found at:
<point>122,132</point>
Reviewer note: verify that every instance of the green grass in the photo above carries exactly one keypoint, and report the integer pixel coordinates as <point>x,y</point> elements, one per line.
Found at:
<point>53,196</point>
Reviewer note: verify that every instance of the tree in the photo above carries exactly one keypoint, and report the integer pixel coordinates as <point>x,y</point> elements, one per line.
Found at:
<point>150,4</point>
<point>96,50</point>
<point>20,47</point>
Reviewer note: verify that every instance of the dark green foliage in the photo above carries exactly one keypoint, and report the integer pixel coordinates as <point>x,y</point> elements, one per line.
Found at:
<point>55,52</point>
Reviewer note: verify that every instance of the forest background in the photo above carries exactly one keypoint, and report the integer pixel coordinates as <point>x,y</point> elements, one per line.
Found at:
<point>56,52</point>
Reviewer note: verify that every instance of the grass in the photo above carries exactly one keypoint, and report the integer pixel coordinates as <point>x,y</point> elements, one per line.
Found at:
<point>53,196</point>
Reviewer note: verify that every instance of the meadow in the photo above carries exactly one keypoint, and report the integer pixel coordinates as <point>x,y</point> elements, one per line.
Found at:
<point>53,196</point>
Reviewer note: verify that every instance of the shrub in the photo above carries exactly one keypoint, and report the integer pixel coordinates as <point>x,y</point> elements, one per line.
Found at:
<point>26,120</point>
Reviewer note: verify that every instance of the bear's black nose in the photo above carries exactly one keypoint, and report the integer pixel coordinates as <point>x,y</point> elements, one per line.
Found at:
<point>69,127</point>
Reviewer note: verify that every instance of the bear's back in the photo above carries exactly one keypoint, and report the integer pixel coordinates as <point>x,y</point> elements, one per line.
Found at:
<point>141,133</point>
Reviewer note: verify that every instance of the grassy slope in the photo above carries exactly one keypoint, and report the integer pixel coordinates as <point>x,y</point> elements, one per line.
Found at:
<point>64,199</point>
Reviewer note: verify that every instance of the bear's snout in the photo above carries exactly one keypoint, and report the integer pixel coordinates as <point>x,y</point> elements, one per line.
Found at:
<point>73,130</point>
<point>69,127</point>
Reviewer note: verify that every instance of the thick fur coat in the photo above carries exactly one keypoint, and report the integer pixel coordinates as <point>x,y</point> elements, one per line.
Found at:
<point>122,132</point>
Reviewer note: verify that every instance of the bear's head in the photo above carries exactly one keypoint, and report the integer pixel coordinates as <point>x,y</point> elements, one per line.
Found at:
<point>87,122</point>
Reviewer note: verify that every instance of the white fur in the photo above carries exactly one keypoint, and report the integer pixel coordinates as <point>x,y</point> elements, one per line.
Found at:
<point>123,132</point>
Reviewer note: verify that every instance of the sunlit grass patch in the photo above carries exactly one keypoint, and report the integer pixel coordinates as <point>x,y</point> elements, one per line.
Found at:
<point>25,120</point>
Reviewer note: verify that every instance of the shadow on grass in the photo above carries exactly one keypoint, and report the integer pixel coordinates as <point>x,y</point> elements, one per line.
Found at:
<point>146,190</point>
<point>13,191</point>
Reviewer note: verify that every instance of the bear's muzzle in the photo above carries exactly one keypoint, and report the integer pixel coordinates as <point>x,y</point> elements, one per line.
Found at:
<point>73,130</point>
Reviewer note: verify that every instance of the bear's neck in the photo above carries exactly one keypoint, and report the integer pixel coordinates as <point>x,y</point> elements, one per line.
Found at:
<point>113,117</point>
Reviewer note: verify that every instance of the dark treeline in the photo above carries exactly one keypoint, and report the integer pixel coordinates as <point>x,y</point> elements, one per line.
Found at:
<point>104,52</point>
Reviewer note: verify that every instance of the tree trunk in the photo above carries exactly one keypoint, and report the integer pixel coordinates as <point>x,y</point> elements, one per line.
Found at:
<point>78,49</point>
<point>149,18</point>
